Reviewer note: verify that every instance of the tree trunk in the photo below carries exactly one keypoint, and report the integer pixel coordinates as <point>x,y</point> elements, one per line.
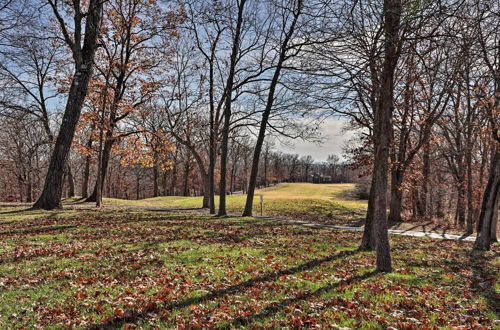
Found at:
<point>383,123</point>
<point>423,204</point>
<point>461,203</point>
<point>99,181</point>
<point>211,180</point>
<point>137,185</point>
<point>494,224</point>
<point>84,61</point>
<point>212,153</point>
<point>187,168</point>
<point>367,242</point>
<point>223,160</point>
<point>71,182</point>
<point>86,172</point>
<point>266,156</point>
<point>227,110</point>
<point>52,191</point>
<point>439,198</point>
<point>29,187</point>
<point>103,167</point>
<point>396,204</point>
<point>156,192</point>
<point>165,184</point>
<point>174,181</point>
<point>490,197</point>
<point>267,111</point>
<point>206,191</point>
<point>233,178</point>
<point>470,197</point>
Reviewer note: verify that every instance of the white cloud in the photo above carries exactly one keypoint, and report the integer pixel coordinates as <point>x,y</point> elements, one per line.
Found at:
<point>332,130</point>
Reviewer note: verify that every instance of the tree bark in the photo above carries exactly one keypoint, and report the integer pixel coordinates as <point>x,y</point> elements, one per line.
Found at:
<point>233,178</point>
<point>103,167</point>
<point>367,242</point>
<point>187,169</point>
<point>99,180</point>
<point>470,202</point>
<point>86,172</point>
<point>494,224</point>
<point>490,197</point>
<point>266,158</point>
<point>383,122</point>
<point>84,61</point>
<point>227,111</point>
<point>206,191</point>
<point>173,186</point>
<point>156,191</point>
<point>461,192</point>
<point>396,204</point>
<point>71,182</point>
<point>423,204</point>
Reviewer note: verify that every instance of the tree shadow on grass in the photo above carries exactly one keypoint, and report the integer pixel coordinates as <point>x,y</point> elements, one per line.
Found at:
<point>134,316</point>
<point>39,230</point>
<point>32,214</point>
<point>483,273</point>
<point>275,308</point>
<point>19,211</point>
<point>484,277</point>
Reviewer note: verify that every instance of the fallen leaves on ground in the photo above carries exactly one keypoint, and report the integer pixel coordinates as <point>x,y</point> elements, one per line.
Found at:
<point>135,269</point>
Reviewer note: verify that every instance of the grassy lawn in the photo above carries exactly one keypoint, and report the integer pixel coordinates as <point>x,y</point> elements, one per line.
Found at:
<point>324,202</point>
<point>123,268</point>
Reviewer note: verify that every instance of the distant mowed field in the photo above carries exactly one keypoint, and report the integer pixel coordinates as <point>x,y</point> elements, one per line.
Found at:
<point>329,202</point>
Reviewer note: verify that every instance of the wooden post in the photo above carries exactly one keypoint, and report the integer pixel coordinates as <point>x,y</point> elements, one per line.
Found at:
<point>261,204</point>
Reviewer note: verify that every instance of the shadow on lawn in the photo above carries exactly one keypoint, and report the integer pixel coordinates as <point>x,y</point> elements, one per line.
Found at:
<point>18,211</point>
<point>484,279</point>
<point>134,316</point>
<point>31,212</point>
<point>277,307</point>
<point>482,272</point>
<point>39,230</point>
<point>429,228</point>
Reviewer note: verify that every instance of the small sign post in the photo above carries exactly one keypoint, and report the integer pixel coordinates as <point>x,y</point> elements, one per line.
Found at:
<point>261,204</point>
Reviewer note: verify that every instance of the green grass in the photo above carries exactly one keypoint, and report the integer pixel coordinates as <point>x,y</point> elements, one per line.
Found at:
<point>295,200</point>
<point>124,267</point>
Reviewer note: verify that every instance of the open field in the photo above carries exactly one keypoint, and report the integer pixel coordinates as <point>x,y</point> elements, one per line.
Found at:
<point>81,268</point>
<point>323,203</point>
<point>327,202</point>
<point>318,203</point>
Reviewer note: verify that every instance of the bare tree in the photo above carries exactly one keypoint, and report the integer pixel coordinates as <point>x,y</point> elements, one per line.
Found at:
<point>287,34</point>
<point>83,47</point>
<point>489,39</point>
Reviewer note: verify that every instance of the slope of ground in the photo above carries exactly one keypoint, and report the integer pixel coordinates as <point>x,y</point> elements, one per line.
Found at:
<point>327,202</point>
<point>331,204</point>
<point>122,268</point>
